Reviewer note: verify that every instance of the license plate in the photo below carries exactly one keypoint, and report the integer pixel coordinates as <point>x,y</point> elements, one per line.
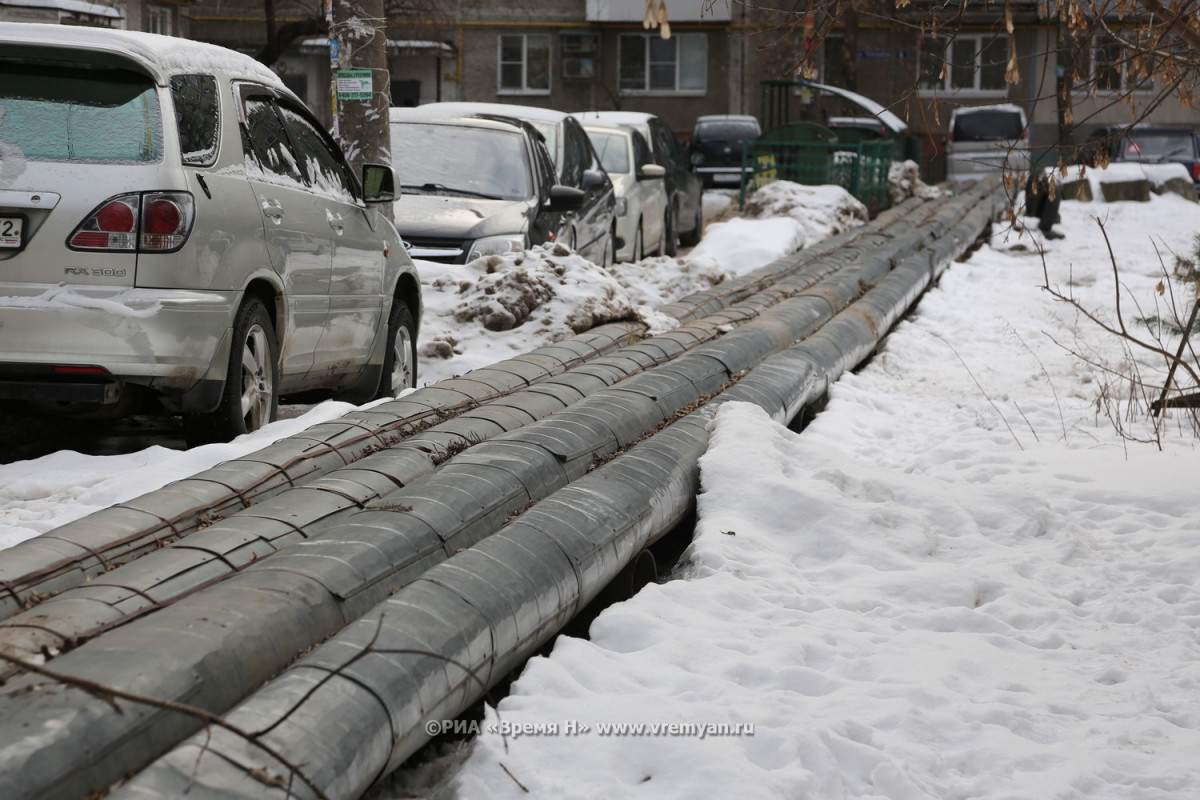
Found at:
<point>11,229</point>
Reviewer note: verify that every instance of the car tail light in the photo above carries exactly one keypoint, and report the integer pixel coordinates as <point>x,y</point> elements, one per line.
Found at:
<point>110,227</point>
<point>1196,172</point>
<point>149,222</point>
<point>166,221</point>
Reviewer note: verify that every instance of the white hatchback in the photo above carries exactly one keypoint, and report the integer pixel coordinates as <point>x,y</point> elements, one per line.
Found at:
<point>640,187</point>
<point>179,235</point>
<point>987,140</point>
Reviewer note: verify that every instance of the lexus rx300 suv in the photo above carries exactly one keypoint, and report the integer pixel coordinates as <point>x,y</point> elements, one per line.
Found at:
<point>179,235</point>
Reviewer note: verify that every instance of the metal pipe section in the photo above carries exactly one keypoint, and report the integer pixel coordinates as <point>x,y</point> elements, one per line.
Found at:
<point>75,553</point>
<point>72,554</point>
<point>161,576</point>
<point>357,707</point>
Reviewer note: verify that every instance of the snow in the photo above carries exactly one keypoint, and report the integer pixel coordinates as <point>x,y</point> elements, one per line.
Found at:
<point>972,575</point>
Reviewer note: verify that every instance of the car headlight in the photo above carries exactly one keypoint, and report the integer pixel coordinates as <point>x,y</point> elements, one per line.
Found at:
<point>497,246</point>
<point>621,207</point>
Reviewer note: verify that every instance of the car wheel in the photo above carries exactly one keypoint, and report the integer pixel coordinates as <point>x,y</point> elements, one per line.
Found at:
<point>670,242</point>
<point>400,363</point>
<point>692,237</point>
<point>250,397</point>
<point>638,244</point>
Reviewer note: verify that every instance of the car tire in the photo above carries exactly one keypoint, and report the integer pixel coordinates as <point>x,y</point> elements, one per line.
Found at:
<point>638,244</point>
<point>400,362</point>
<point>692,237</point>
<point>250,397</point>
<point>670,242</point>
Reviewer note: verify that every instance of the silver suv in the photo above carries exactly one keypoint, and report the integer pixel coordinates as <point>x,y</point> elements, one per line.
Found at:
<point>179,235</point>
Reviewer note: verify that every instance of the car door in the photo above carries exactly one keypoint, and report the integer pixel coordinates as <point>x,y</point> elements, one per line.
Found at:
<point>653,193</point>
<point>594,219</point>
<point>357,249</point>
<point>297,232</point>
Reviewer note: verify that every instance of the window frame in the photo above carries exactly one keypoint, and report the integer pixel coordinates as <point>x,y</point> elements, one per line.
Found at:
<point>524,89</point>
<point>646,40</point>
<point>946,86</point>
<point>1095,44</point>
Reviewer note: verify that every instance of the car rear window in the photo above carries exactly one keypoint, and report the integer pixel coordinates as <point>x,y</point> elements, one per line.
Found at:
<point>724,131</point>
<point>1160,145</point>
<point>82,115</point>
<point>987,126</point>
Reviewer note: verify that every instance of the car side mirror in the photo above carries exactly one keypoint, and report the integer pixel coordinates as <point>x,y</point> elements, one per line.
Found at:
<point>593,178</point>
<point>379,184</point>
<point>651,171</point>
<point>565,198</point>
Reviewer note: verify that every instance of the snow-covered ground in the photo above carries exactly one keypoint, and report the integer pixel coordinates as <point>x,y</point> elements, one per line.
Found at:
<point>973,575</point>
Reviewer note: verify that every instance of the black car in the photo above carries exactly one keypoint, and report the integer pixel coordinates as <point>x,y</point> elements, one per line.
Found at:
<point>474,186</point>
<point>1147,143</point>
<point>685,215</point>
<point>716,148</point>
<point>591,229</point>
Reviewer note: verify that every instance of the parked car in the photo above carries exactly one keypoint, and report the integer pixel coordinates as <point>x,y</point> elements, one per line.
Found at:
<point>179,235</point>
<point>987,140</point>
<point>473,186</point>
<point>591,229</point>
<point>1145,142</point>
<point>715,148</point>
<point>686,214</point>
<point>641,189</point>
<point>859,129</point>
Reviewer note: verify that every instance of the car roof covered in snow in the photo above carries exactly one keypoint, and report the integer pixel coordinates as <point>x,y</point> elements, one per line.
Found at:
<point>160,56</point>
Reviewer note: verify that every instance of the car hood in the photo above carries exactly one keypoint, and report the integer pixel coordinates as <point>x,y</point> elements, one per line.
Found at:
<point>461,217</point>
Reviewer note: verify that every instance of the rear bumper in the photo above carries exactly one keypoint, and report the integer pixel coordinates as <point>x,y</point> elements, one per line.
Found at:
<point>83,344</point>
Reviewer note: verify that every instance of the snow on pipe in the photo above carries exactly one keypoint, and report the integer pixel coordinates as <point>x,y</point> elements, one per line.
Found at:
<point>258,627</point>
<point>77,551</point>
<point>439,642</point>
<point>70,617</point>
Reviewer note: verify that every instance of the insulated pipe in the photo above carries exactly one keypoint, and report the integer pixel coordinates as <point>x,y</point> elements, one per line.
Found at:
<point>291,602</point>
<point>437,644</point>
<point>207,556</point>
<point>76,552</point>
<point>68,619</point>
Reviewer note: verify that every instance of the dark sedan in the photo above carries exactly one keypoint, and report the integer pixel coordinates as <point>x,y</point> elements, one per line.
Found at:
<point>474,187</point>
<point>591,229</point>
<point>1147,143</point>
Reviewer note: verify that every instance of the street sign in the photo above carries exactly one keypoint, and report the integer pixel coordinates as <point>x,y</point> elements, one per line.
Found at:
<point>354,84</point>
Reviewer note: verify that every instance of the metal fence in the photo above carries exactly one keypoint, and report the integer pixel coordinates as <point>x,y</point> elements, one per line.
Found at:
<point>859,167</point>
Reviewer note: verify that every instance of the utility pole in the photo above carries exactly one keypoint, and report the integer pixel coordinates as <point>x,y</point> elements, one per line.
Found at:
<point>361,90</point>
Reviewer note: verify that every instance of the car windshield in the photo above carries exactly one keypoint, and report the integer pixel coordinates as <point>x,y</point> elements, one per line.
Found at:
<point>725,131</point>
<point>987,126</point>
<point>79,115</point>
<point>1161,145</point>
<point>432,158</point>
<point>614,155</point>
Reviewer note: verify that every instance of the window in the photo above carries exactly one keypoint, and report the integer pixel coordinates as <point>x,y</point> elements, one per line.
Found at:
<point>99,116</point>
<point>159,20</point>
<point>650,63</point>
<point>833,69</point>
<point>326,171</point>
<point>524,64</point>
<point>269,142</point>
<point>1104,63</point>
<point>197,117</point>
<point>963,63</point>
